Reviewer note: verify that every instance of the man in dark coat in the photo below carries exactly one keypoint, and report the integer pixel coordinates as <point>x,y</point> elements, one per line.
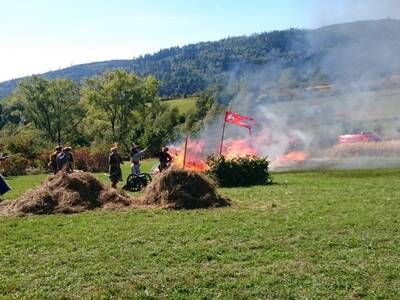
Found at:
<point>164,158</point>
<point>62,160</point>
<point>53,159</point>
<point>4,187</point>
<point>70,159</point>
<point>114,167</point>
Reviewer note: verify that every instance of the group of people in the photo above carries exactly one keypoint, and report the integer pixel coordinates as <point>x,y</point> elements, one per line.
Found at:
<point>135,155</point>
<point>61,160</point>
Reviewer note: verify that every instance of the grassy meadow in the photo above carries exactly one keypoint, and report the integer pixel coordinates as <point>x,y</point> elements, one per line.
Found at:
<point>184,105</point>
<point>309,235</point>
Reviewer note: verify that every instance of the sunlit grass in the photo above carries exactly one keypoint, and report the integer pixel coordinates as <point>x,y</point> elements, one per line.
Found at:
<point>183,104</point>
<point>310,235</point>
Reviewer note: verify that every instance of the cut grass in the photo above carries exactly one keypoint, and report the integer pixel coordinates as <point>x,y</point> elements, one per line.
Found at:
<point>310,235</point>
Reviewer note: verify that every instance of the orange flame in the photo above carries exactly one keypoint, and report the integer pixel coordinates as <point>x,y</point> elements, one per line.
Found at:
<point>194,156</point>
<point>293,156</point>
<point>197,151</point>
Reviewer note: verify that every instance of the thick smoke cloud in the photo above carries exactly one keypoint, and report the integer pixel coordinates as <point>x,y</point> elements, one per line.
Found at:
<point>360,62</point>
<point>328,12</point>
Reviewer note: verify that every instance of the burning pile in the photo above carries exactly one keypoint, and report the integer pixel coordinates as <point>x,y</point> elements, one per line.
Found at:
<point>258,144</point>
<point>66,193</point>
<point>181,189</point>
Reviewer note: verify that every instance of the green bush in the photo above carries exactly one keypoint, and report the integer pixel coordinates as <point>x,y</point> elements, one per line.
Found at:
<point>24,142</point>
<point>14,165</point>
<point>238,171</point>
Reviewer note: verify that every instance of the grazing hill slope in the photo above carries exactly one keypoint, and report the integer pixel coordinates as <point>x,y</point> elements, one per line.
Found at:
<point>319,55</point>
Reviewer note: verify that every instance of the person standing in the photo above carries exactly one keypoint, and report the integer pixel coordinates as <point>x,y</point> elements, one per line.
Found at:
<point>53,159</point>
<point>62,160</point>
<point>164,158</point>
<point>114,167</point>
<point>4,187</point>
<point>135,155</point>
<point>70,159</point>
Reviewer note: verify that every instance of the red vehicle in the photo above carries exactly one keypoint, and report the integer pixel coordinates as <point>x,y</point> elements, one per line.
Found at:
<point>358,138</point>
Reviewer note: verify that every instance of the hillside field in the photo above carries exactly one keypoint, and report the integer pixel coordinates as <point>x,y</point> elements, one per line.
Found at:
<point>326,234</point>
<point>184,105</point>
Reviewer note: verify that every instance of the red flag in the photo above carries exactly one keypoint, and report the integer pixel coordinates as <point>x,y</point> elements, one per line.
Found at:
<point>236,119</point>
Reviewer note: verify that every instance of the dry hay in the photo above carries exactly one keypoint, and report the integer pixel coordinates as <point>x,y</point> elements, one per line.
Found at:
<point>181,189</point>
<point>66,193</point>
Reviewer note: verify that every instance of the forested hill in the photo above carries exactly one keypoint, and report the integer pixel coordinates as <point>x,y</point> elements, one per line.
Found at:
<point>300,57</point>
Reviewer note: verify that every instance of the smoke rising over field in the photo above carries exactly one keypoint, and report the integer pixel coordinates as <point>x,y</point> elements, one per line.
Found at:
<point>358,90</point>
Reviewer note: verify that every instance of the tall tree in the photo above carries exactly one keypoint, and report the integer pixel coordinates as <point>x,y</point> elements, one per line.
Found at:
<point>64,102</point>
<point>114,97</point>
<point>51,105</point>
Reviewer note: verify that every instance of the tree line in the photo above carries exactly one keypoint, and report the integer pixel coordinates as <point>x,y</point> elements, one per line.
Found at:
<point>115,107</point>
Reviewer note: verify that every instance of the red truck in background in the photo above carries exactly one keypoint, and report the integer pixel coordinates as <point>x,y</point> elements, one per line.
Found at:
<point>358,138</point>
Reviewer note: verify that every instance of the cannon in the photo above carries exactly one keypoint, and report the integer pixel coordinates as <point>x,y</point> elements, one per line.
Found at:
<point>135,183</point>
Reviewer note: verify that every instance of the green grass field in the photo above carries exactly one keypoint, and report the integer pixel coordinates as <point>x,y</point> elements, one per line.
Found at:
<point>183,104</point>
<point>310,235</point>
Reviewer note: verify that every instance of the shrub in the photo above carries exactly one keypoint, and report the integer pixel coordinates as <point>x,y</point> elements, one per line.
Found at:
<point>91,159</point>
<point>24,142</point>
<point>42,160</point>
<point>238,171</point>
<point>14,165</point>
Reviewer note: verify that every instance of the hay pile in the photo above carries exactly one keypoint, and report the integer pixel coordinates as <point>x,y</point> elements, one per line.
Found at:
<point>66,193</point>
<point>181,189</point>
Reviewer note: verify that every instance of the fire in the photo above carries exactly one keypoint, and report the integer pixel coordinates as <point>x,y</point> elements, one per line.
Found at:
<point>197,151</point>
<point>194,156</point>
<point>234,148</point>
<point>289,159</point>
<point>293,156</point>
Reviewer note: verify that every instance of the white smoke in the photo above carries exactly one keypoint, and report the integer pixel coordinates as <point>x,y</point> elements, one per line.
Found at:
<point>364,74</point>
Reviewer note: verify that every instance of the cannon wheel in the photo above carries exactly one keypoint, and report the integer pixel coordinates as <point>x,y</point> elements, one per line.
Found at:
<point>133,183</point>
<point>145,178</point>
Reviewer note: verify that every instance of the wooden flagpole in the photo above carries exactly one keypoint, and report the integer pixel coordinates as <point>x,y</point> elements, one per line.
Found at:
<point>223,129</point>
<point>222,137</point>
<point>185,151</point>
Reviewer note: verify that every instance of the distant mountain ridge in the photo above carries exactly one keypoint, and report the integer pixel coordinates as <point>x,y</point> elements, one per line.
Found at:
<point>300,57</point>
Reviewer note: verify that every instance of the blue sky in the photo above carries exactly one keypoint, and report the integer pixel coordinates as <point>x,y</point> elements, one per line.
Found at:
<point>41,35</point>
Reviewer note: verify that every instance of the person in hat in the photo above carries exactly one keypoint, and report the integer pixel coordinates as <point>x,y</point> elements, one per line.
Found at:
<point>70,159</point>
<point>53,159</point>
<point>114,167</point>
<point>62,160</point>
<point>134,156</point>
<point>164,158</point>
